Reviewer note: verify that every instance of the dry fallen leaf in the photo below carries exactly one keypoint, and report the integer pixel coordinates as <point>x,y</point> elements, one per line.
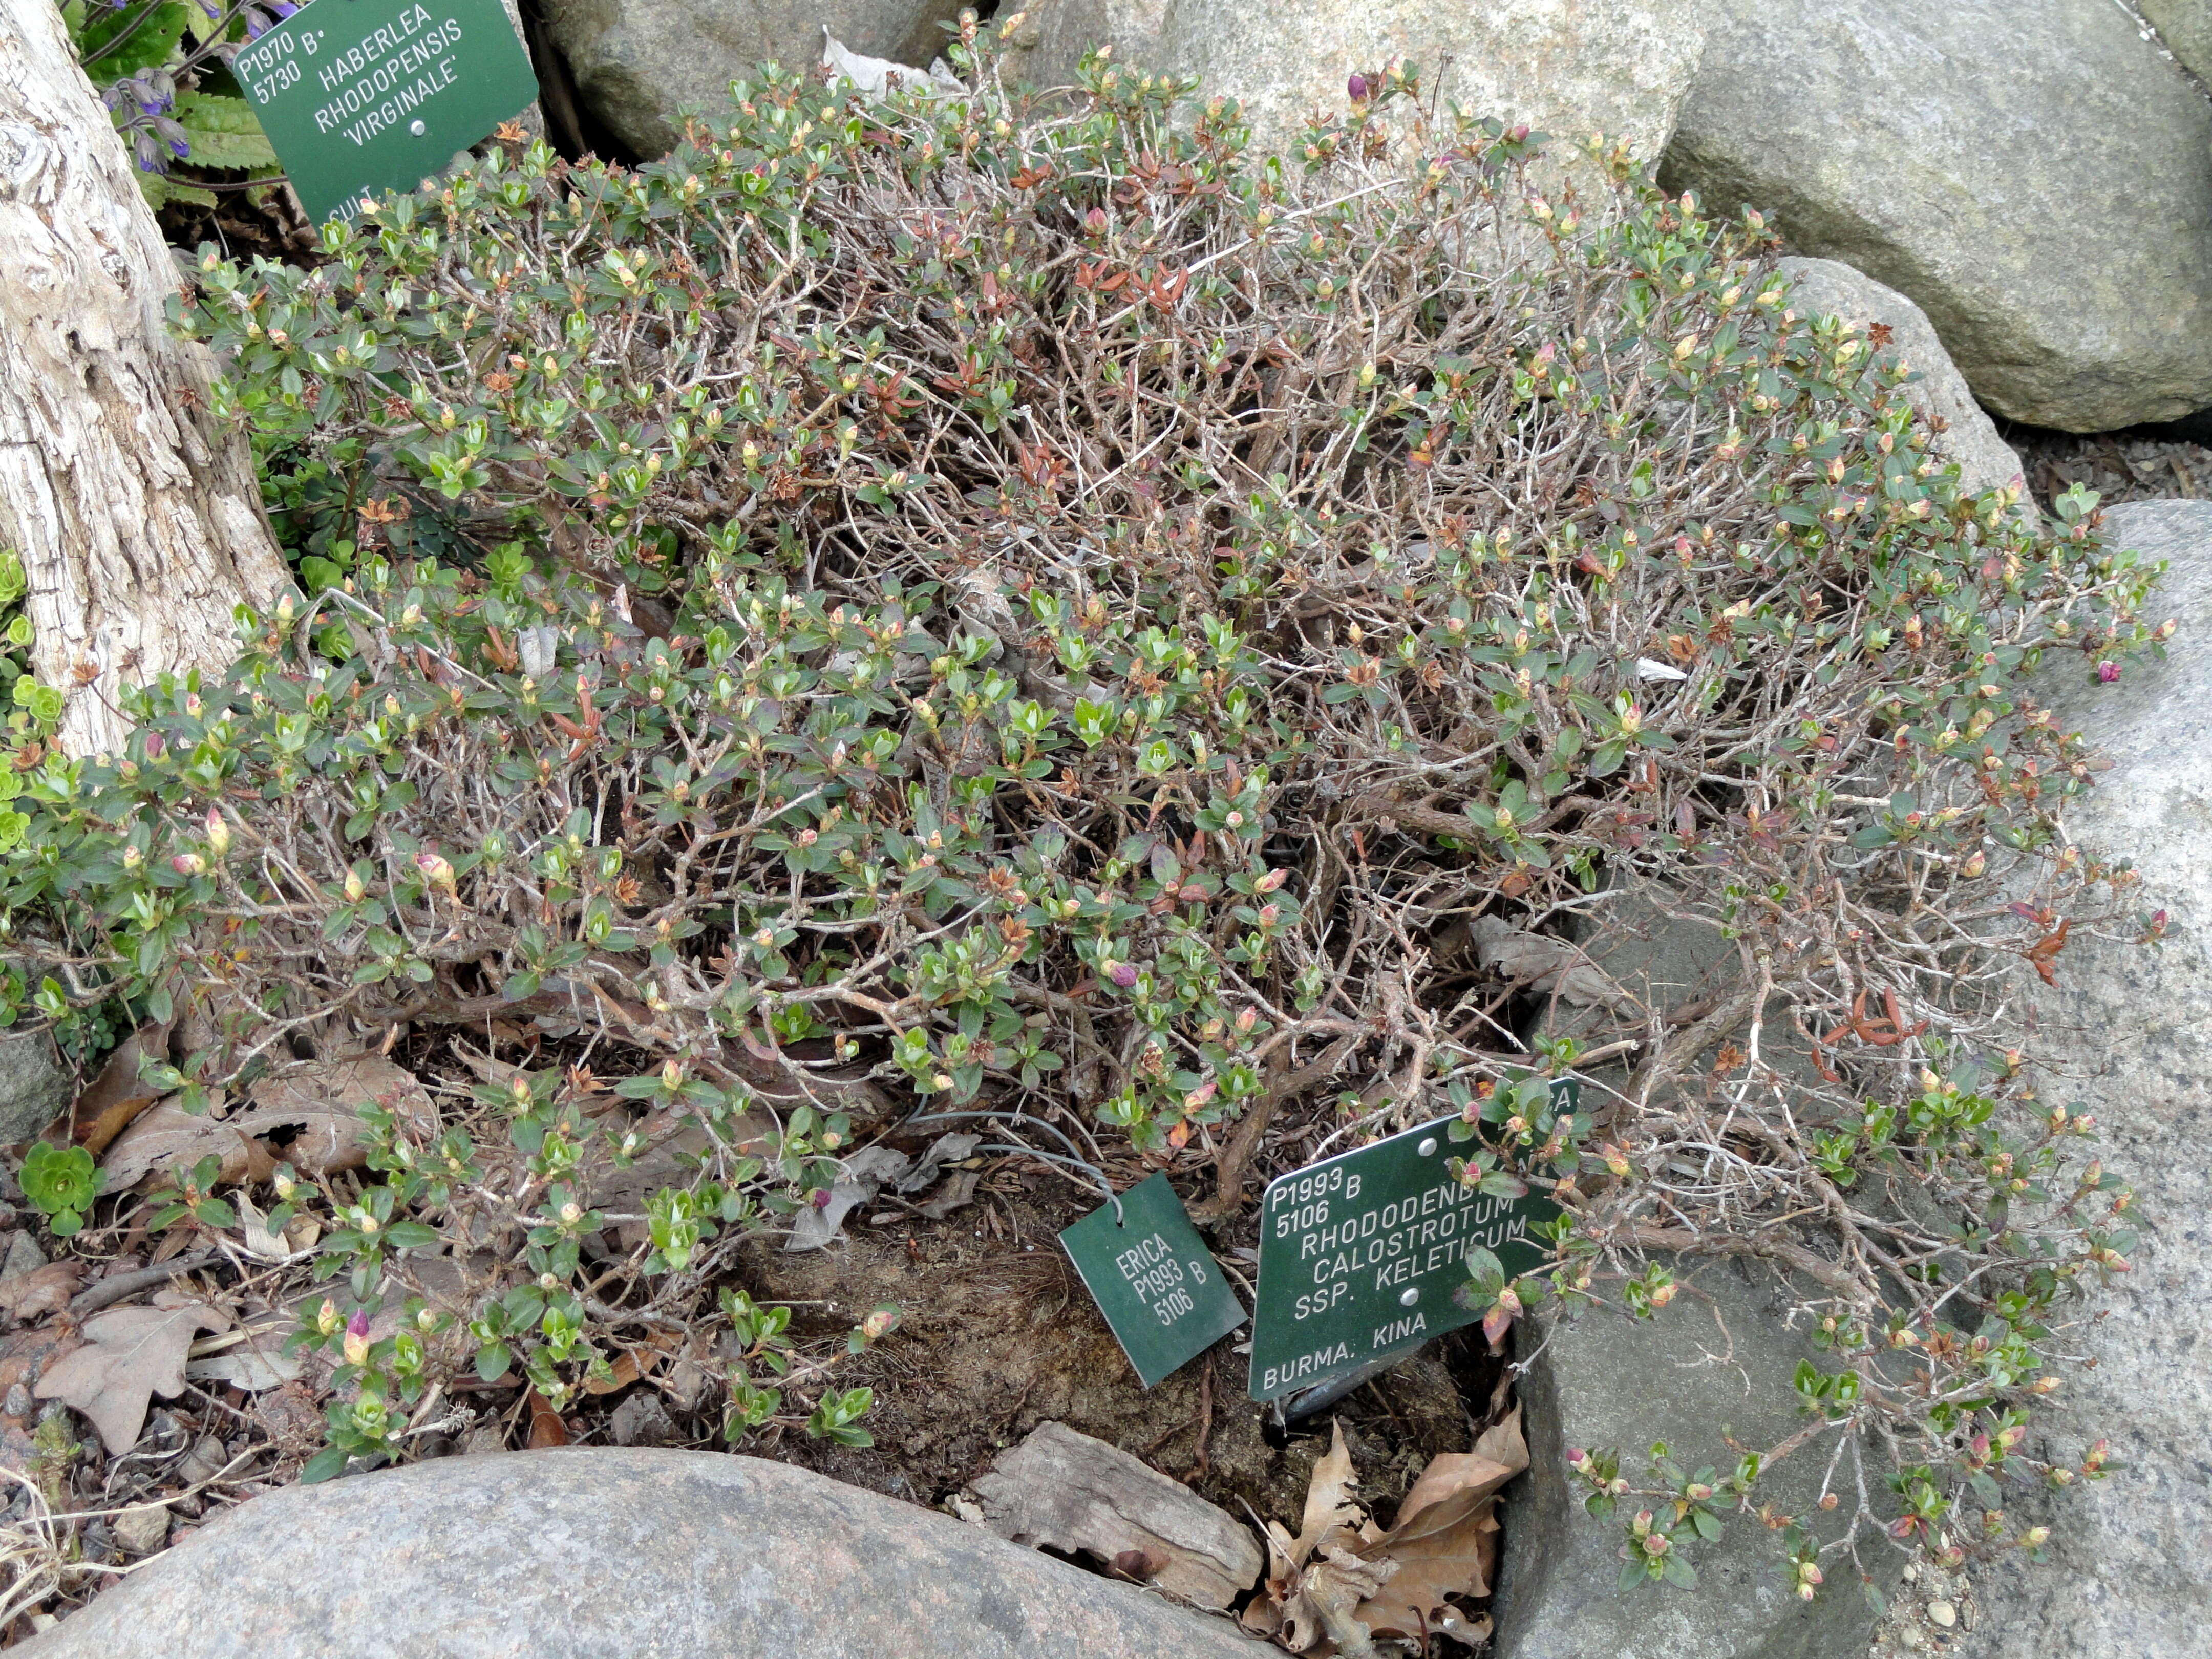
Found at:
<point>1547,964</point>
<point>169,1139</point>
<point>42,1290</point>
<point>1305,1601</point>
<point>1329,1506</point>
<point>112,1100</point>
<point>129,1355</point>
<point>546,1428</point>
<point>319,1102</point>
<point>620,1375</point>
<point>1445,1541</point>
<point>1342,1582</point>
<point>253,1355</point>
<point>260,1243</point>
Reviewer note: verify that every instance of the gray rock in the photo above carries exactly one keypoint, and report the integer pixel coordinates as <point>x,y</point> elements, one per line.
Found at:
<point>2038,177</point>
<point>24,1257</point>
<point>1712,1367</point>
<point>2185,27</point>
<point>1658,964</point>
<point>638,62</point>
<point>1963,433</point>
<point>641,1420</point>
<point>615,1554</point>
<point>140,1531</point>
<point>2131,1028</point>
<point>36,1085</point>
<point>1569,67</point>
<point>205,1461</point>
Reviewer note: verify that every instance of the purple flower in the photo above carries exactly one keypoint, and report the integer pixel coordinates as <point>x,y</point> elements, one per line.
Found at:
<point>180,148</point>
<point>1356,87</point>
<point>283,9</point>
<point>1122,974</point>
<point>2107,672</point>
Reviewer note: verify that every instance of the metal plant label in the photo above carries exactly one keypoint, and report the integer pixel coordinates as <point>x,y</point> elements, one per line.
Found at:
<point>1153,1277</point>
<point>363,96</point>
<point>1360,1255</point>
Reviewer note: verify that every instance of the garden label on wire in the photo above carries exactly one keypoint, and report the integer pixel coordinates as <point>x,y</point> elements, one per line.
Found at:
<point>1150,1274</point>
<point>363,96</point>
<point>1360,1255</point>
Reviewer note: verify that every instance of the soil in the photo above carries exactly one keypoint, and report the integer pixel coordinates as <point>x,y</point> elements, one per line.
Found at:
<point>997,1334</point>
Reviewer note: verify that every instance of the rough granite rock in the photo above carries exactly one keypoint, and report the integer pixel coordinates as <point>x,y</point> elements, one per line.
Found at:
<point>2186,25</point>
<point>1714,1366</point>
<point>2038,177</point>
<point>36,1085</point>
<point>1566,67</point>
<point>637,62</point>
<point>1828,288</point>
<point>2131,1028</point>
<point>612,1555</point>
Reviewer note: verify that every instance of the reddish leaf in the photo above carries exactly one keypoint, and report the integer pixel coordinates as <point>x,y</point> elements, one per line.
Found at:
<point>546,1428</point>
<point>2042,954</point>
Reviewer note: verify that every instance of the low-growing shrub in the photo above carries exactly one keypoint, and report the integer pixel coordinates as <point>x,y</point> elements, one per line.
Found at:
<point>969,600</point>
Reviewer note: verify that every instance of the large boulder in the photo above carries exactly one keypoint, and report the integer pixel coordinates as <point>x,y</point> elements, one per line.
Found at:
<point>603,1553</point>
<point>2185,27</point>
<point>2038,177</point>
<point>1964,431</point>
<point>638,62</point>
<point>1711,1370</point>
<point>1566,67</point>
<point>2130,1030</point>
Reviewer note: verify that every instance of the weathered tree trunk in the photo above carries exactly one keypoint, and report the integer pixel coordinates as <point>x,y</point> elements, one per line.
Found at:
<point>137,517</point>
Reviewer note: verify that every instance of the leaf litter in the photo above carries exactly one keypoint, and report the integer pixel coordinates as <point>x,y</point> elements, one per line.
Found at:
<point>127,1356</point>
<point>1344,1581</point>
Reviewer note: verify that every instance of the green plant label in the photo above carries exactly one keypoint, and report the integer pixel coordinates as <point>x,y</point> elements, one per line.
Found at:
<point>1153,1277</point>
<point>1361,1255</point>
<point>363,96</point>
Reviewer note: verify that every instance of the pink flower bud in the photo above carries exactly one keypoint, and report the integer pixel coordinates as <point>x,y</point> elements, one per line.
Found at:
<point>1122,974</point>
<point>1271,881</point>
<point>2107,672</point>
<point>218,831</point>
<point>188,863</point>
<point>356,1337</point>
<point>1356,89</point>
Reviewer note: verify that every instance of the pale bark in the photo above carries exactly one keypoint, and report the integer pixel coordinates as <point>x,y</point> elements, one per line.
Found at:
<point>136,512</point>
